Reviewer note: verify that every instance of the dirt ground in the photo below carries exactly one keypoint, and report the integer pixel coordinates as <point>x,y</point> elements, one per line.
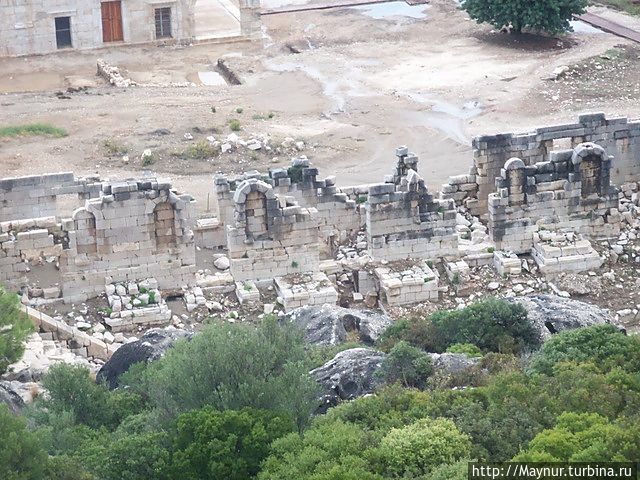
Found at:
<point>365,81</point>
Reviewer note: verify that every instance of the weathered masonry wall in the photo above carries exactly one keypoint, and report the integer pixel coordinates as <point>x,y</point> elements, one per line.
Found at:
<point>618,136</point>
<point>271,237</point>
<point>135,230</point>
<point>570,191</point>
<point>338,213</point>
<point>405,221</point>
<point>42,195</point>
<point>28,26</point>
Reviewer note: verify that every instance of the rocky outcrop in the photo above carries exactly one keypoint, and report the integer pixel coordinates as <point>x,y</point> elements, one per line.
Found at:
<point>329,324</point>
<point>151,346</point>
<point>552,314</point>
<point>350,374</point>
<point>10,398</point>
<point>450,363</point>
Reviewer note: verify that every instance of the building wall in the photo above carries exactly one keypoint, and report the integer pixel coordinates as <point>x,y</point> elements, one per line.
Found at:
<point>572,191</point>
<point>28,26</point>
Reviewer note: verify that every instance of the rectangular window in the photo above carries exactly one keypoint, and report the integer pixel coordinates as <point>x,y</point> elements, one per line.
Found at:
<point>163,22</point>
<point>63,32</point>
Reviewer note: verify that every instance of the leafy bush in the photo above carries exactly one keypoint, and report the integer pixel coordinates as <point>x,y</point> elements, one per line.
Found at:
<point>420,447</point>
<point>584,437</point>
<point>469,349</point>
<point>234,125</point>
<point>230,367</point>
<point>15,326</point>
<point>230,445</point>
<point>549,16</point>
<point>604,345</point>
<point>73,391</point>
<point>331,450</point>
<point>201,150</point>
<point>21,457</point>
<point>492,325</point>
<point>406,364</point>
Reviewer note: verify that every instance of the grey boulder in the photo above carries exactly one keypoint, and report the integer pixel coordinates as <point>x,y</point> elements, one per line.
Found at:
<point>328,324</point>
<point>552,314</point>
<point>350,374</point>
<point>450,363</point>
<point>151,346</point>
<point>10,398</point>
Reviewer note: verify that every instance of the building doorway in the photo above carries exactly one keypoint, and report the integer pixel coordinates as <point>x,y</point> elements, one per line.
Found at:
<point>112,22</point>
<point>63,32</point>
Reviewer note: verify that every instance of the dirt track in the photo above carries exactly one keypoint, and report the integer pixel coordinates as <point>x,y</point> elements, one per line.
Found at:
<point>359,87</point>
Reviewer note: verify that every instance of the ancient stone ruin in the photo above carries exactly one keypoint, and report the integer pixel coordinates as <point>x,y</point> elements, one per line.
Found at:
<point>285,238</point>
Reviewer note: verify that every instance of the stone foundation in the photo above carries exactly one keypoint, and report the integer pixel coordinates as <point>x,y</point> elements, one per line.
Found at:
<point>306,289</point>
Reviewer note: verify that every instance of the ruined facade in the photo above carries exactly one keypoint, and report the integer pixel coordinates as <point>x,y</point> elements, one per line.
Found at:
<point>36,27</point>
<point>572,191</point>
<point>403,220</point>
<point>127,231</point>
<point>619,137</point>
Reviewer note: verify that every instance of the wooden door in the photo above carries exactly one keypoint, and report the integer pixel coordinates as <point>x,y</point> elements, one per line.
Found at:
<point>112,22</point>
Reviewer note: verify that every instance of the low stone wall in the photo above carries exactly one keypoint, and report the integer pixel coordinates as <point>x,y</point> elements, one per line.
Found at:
<point>76,340</point>
<point>37,196</point>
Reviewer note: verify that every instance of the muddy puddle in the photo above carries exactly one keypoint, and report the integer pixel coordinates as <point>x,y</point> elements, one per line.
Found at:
<point>391,10</point>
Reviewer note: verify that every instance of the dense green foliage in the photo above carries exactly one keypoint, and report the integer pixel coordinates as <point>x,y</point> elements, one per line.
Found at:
<point>406,364</point>
<point>420,447</point>
<point>15,326</point>
<point>577,400</point>
<point>468,349</point>
<point>492,325</point>
<point>230,445</point>
<point>603,345</point>
<point>230,367</point>
<point>549,16</point>
<point>21,457</point>
<point>584,437</point>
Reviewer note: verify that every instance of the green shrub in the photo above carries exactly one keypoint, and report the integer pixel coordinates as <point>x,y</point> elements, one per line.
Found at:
<point>232,366</point>
<point>15,327</point>
<point>492,325</point>
<point>113,148</point>
<point>230,445</point>
<point>201,150</point>
<point>295,173</point>
<point>603,345</point>
<point>468,349</point>
<point>407,365</point>
<point>417,449</point>
<point>21,456</point>
<point>234,125</point>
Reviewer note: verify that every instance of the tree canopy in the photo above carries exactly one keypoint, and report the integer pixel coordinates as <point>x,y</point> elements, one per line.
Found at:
<point>548,16</point>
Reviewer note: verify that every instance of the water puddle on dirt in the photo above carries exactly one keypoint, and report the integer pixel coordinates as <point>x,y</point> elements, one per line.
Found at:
<point>338,88</point>
<point>211,79</point>
<point>381,11</point>
<point>583,27</point>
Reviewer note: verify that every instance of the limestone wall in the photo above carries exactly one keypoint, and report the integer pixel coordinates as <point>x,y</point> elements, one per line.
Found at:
<point>41,195</point>
<point>135,230</point>
<point>271,236</point>
<point>339,210</point>
<point>570,191</point>
<point>406,221</point>
<point>76,340</point>
<point>618,136</point>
